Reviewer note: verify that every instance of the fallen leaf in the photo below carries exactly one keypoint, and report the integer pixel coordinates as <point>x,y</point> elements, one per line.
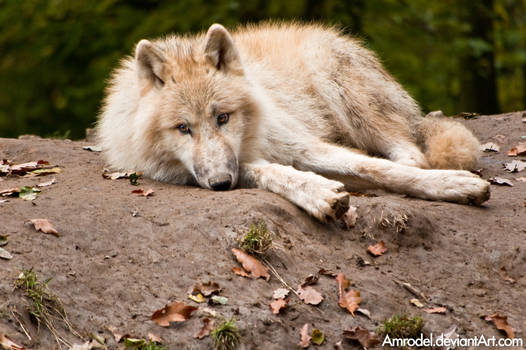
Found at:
<point>8,344</point>
<point>277,305</point>
<point>207,288</point>
<point>350,217</point>
<point>310,279</point>
<point>436,310</point>
<point>118,337</point>
<point>134,342</point>
<point>174,312</point>
<point>29,193</point>
<point>86,346</point>
<point>155,338</point>
<point>501,322</point>
<point>343,284</point>
<point>515,166</point>
<point>365,312</point>
<point>309,295</point>
<point>251,264</point>
<point>519,150</point>
<point>500,181</point>
<point>216,299</point>
<point>304,336</point>
<point>377,249</point>
<point>317,336</point>
<point>490,147</point>
<point>327,273</point>
<point>338,345</point>
<point>280,293</point>
<point>120,175</point>
<point>10,192</point>
<point>4,254</point>
<point>139,191</point>
<point>350,301</point>
<point>365,337</point>
<point>208,325</point>
<point>239,271</point>
<point>198,298</point>
<point>416,303</point>
<point>45,226</point>
<point>504,275</point>
<point>92,148</point>
<point>210,311</point>
<point>47,183</point>
<point>22,169</point>
<point>45,171</point>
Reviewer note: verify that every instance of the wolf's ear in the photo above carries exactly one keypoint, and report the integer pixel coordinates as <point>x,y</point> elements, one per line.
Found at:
<point>220,50</point>
<point>151,62</point>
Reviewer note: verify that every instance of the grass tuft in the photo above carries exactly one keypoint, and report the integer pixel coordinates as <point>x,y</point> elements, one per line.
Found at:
<point>402,326</point>
<point>258,240</point>
<point>226,335</point>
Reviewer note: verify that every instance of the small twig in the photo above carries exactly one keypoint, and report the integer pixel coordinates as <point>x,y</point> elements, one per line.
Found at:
<point>413,290</point>
<point>276,274</point>
<point>21,325</point>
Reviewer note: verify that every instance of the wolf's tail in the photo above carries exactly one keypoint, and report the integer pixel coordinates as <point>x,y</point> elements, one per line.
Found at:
<point>447,144</point>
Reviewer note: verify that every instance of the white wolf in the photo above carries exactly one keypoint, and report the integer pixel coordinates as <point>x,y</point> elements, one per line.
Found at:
<point>299,110</point>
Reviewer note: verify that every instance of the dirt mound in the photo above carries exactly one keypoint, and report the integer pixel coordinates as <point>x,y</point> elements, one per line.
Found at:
<point>121,256</point>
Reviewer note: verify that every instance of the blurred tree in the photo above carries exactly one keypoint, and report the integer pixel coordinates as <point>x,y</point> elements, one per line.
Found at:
<point>57,54</point>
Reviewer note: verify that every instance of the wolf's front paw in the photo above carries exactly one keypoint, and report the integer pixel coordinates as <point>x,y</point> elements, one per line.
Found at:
<point>325,199</point>
<point>461,187</point>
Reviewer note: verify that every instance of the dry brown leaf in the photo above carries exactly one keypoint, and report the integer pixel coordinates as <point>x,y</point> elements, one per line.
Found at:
<point>343,284</point>
<point>365,337</point>
<point>500,181</point>
<point>47,183</point>
<point>277,305</point>
<point>519,150</point>
<point>174,312</point>
<point>10,192</point>
<point>515,166</point>
<point>327,273</point>
<point>251,264</point>
<point>280,293</point>
<point>350,301</point>
<point>416,303</point>
<point>377,249</point>
<point>206,289</point>
<point>436,310</point>
<point>45,226</point>
<point>311,279</point>
<point>141,192</point>
<point>7,344</point>
<point>504,275</point>
<point>21,169</point>
<point>309,295</point>
<point>304,336</point>
<point>501,322</point>
<point>490,147</point>
<point>364,312</point>
<point>208,325</point>
<point>239,271</point>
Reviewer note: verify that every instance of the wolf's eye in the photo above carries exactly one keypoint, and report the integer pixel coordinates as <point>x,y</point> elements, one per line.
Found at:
<point>183,128</point>
<point>222,118</point>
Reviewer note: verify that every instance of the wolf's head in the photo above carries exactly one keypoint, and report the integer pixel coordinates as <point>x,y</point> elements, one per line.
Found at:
<point>203,103</point>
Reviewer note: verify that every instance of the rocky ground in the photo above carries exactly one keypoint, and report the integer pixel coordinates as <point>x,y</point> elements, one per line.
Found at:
<point>119,256</point>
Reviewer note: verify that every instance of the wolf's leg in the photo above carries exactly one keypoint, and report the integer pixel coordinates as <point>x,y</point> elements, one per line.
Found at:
<point>343,163</point>
<point>319,196</point>
<point>406,153</point>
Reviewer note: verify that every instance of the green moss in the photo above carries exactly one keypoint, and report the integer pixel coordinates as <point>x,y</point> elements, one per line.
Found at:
<point>402,326</point>
<point>258,240</point>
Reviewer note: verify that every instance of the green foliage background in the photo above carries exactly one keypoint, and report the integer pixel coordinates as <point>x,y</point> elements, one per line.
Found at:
<point>55,55</point>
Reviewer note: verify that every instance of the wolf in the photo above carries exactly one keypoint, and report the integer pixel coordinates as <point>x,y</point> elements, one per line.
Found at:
<point>303,111</point>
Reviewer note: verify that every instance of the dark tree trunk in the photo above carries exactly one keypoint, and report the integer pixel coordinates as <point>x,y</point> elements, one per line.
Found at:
<point>478,80</point>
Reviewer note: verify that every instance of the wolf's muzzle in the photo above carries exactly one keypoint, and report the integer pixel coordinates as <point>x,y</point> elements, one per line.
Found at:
<point>221,182</point>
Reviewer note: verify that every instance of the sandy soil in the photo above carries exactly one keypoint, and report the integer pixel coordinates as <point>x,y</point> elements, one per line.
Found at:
<point>120,256</point>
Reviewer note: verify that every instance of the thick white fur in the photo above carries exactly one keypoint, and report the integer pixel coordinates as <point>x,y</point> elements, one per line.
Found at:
<point>306,104</point>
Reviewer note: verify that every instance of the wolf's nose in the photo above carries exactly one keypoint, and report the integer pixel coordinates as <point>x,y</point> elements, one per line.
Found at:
<point>221,182</point>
